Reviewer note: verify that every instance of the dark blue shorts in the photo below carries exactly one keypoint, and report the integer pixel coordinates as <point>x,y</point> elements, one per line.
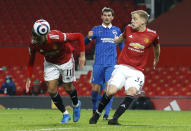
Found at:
<point>101,74</point>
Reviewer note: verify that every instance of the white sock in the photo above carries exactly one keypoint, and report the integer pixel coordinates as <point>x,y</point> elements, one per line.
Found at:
<point>66,112</point>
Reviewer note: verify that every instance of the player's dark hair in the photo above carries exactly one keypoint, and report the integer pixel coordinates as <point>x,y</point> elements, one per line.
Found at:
<point>34,34</point>
<point>37,37</point>
<point>105,9</point>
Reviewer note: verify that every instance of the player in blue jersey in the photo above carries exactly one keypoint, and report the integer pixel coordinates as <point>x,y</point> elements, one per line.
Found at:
<point>105,55</point>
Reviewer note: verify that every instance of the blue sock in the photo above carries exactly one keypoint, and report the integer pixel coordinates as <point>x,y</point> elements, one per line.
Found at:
<point>99,99</point>
<point>94,99</point>
<point>108,107</point>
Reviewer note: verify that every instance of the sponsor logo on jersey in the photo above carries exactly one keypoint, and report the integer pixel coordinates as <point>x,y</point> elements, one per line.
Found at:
<point>109,40</point>
<point>54,36</point>
<point>137,45</point>
<point>130,36</point>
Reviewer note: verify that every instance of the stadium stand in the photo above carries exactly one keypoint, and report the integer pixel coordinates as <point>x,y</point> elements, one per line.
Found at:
<point>17,17</point>
<point>164,81</point>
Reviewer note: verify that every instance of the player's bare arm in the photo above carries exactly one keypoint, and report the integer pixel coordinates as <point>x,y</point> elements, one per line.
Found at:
<point>119,39</point>
<point>82,59</point>
<point>32,53</point>
<point>156,54</point>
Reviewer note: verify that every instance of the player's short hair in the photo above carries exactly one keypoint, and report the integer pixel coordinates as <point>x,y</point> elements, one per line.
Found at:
<point>34,33</point>
<point>143,14</point>
<point>105,9</point>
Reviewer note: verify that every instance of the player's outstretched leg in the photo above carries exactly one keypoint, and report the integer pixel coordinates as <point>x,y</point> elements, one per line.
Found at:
<point>104,101</point>
<point>121,109</point>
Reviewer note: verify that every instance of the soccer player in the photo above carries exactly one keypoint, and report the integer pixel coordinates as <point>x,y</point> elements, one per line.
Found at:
<point>57,51</point>
<point>105,54</point>
<point>132,60</point>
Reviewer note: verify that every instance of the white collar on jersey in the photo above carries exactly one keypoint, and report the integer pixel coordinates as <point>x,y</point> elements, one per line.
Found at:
<point>109,26</point>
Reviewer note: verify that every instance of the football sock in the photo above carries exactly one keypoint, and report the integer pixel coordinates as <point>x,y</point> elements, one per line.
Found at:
<point>74,96</point>
<point>123,106</point>
<point>108,107</point>
<point>104,101</point>
<point>94,100</point>
<point>56,98</point>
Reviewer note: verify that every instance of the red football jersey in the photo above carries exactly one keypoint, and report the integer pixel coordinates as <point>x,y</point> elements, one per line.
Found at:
<point>57,49</point>
<point>136,50</point>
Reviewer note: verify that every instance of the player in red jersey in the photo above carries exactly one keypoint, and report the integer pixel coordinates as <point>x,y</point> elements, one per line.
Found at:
<point>132,60</point>
<point>57,51</point>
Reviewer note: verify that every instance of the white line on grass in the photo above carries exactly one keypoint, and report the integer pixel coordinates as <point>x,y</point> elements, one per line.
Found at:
<point>50,129</point>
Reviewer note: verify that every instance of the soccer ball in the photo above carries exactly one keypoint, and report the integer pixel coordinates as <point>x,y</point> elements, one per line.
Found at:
<point>41,27</point>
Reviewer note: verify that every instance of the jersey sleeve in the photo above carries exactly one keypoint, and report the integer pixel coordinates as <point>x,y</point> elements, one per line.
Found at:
<point>56,36</point>
<point>76,36</point>
<point>94,33</point>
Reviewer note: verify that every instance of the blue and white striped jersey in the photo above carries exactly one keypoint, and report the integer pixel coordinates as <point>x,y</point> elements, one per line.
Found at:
<point>105,48</point>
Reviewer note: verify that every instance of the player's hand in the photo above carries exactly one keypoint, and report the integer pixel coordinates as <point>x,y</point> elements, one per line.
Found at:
<point>155,63</point>
<point>82,59</point>
<point>115,39</point>
<point>90,34</point>
<point>28,84</point>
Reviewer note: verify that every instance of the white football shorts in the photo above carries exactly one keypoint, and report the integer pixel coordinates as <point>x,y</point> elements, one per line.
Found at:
<point>53,71</point>
<point>127,76</point>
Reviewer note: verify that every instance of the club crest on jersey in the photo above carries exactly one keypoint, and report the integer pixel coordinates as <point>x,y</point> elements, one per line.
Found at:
<point>114,32</point>
<point>130,36</point>
<point>146,40</point>
<point>137,45</point>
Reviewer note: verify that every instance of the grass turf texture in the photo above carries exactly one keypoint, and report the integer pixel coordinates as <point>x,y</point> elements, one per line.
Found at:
<point>49,120</point>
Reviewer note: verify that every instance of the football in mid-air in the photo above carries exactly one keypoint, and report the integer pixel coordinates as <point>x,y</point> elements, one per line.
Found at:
<point>41,27</point>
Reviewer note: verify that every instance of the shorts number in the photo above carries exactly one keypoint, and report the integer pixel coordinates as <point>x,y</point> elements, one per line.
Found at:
<point>139,81</point>
<point>69,72</point>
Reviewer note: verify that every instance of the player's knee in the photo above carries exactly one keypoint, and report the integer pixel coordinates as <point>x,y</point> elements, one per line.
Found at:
<point>68,86</point>
<point>112,90</point>
<point>52,90</point>
<point>52,87</point>
<point>131,91</point>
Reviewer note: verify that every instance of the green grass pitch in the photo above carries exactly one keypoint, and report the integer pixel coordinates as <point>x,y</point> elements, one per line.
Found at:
<point>131,120</point>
